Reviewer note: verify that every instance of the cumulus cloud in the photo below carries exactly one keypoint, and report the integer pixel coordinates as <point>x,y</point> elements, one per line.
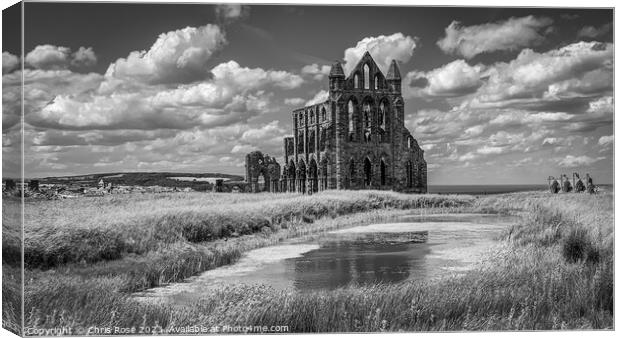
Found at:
<point>9,62</point>
<point>243,77</point>
<point>228,13</point>
<point>606,140</point>
<point>456,78</point>
<point>84,57</point>
<point>508,35</point>
<point>243,148</point>
<point>383,49</point>
<point>40,87</point>
<point>294,101</point>
<point>233,94</point>
<point>316,71</point>
<point>539,78</point>
<point>487,150</point>
<point>263,133</point>
<point>176,57</point>
<point>601,106</point>
<point>230,84</point>
<point>593,32</point>
<point>320,97</point>
<point>571,161</point>
<point>49,57</point>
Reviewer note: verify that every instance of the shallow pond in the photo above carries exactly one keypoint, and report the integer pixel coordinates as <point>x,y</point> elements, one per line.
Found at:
<point>416,247</point>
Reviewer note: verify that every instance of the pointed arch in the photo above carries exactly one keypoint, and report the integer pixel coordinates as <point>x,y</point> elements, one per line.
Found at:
<point>367,117</point>
<point>313,178</point>
<point>351,173</point>
<point>301,146</point>
<point>311,141</point>
<point>301,176</point>
<point>367,172</point>
<point>383,115</point>
<point>409,174</point>
<point>292,176</point>
<point>324,164</point>
<point>356,81</point>
<point>366,76</point>
<point>351,111</point>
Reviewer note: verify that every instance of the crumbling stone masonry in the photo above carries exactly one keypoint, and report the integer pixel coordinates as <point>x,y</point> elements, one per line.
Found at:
<point>356,139</point>
<point>262,172</point>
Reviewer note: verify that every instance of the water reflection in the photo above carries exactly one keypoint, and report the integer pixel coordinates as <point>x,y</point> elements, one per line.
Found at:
<point>341,263</point>
<point>364,255</point>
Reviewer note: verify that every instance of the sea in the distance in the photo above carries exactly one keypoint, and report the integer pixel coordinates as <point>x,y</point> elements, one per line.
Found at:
<point>492,189</point>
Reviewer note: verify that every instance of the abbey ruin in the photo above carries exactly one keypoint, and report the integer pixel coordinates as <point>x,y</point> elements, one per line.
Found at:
<point>356,139</point>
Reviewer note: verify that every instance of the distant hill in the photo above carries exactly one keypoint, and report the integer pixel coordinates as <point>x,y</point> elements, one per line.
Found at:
<point>164,179</point>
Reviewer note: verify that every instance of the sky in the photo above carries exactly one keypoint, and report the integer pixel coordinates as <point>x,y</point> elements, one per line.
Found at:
<point>493,95</point>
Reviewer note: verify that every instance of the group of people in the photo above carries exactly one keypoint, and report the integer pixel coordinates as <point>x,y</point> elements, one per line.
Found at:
<point>565,184</point>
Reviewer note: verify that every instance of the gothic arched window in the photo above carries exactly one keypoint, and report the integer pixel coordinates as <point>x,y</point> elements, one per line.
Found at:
<point>356,81</point>
<point>323,138</point>
<point>351,111</point>
<point>366,77</point>
<point>351,173</point>
<point>367,115</point>
<point>311,142</point>
<point>377,82</point>
<point>382,117</point>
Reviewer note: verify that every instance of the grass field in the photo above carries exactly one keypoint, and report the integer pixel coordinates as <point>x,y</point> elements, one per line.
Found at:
<point>553,270</point>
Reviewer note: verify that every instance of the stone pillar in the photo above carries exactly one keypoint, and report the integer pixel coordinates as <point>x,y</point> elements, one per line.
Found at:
<point>424,177</point>
<point>340,126</point>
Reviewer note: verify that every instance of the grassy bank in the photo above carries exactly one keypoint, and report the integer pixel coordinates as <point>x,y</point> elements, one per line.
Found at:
<point>11,265</point>
<point>90,230</point>
<point>83,257</point>
<point>554,270</point>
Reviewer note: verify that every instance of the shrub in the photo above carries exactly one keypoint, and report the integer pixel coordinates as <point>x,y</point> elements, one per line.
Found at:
<point>577,246</point>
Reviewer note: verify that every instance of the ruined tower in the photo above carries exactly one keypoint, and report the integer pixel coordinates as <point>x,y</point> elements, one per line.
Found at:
<point>356,139</point>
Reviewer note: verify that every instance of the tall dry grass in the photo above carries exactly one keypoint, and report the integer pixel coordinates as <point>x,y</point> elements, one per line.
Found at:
<point>531,281</point>
<point>89,230</point>
<point>12,291</point>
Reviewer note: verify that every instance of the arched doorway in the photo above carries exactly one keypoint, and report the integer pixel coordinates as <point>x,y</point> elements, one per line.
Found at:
<point>291,176</point>
<point>262,182</point>
<point>367,172</point>
<point>314,177</point>
<point>382,171</point>
<point>301,177</point>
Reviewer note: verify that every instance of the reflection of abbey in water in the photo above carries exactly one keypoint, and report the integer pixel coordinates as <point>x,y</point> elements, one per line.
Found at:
<point>357,139</point>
